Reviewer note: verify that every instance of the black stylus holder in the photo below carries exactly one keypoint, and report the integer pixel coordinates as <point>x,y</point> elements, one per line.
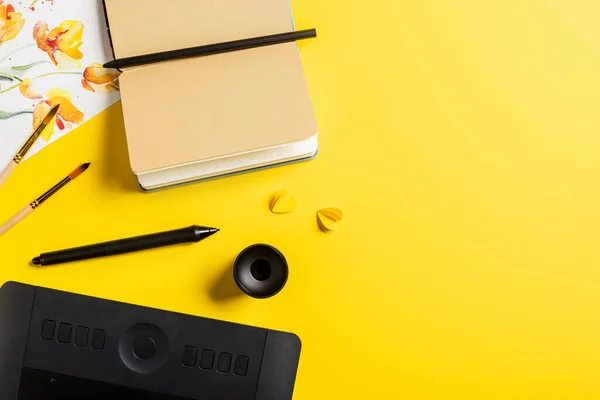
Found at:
<point>260,271</point>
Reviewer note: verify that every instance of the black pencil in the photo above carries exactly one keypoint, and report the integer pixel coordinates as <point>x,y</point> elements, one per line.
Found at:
<point>211,49</point>
<point>190,234</point>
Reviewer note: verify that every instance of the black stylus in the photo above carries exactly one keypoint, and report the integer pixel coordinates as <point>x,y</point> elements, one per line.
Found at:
<point>186,235</point>
<point>212,49</point>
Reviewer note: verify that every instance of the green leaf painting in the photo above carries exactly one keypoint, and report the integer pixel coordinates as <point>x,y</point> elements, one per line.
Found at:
<point>10,114</point>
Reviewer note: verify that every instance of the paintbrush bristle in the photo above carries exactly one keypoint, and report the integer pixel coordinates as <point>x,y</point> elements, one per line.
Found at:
<point>79,170</point>
<point>51,114</point>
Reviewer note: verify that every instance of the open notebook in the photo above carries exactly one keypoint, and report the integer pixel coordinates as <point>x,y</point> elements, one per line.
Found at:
<point>205,117</point>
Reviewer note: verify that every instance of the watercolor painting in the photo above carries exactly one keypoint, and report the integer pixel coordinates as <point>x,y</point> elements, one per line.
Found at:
<point>51,52</point>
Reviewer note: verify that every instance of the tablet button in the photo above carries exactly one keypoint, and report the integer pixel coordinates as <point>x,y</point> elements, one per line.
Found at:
<point>224,364</point>
<point>207,360</point>
<point>48,329</point>
<point>190,356</point>
<point>241,365</point>
<point>81,336</point>
<point>98,338</point>
<point>64,332</point>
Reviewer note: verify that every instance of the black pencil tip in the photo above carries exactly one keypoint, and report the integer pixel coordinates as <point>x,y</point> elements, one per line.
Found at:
<point>36,261</point>
<point>113,65</point>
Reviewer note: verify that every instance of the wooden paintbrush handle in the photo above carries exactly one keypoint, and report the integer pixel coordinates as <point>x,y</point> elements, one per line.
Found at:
<point>9,170</point>
<point>15,220</point>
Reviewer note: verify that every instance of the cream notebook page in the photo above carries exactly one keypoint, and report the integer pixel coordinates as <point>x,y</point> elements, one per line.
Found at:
<point>200,109</point>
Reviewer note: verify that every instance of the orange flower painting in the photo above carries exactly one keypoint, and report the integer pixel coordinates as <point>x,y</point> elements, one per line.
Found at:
<point>52,54</point>
<point>11,22</point>
<point>99,79</point>
<point>68,113</point>
<point>61,43</point>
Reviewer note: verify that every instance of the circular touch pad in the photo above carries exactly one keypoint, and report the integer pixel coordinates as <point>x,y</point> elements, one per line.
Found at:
<point>261,271</point>
<point>144,348</point>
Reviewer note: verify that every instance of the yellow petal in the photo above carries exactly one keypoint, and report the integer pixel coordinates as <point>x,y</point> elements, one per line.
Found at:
<point>95,73</point>
<point>39,113</point>
<point>329,219</point>
<point>63,61</point>
<point>275,197</point>
<point>40,33</point>
<point>333,213</point>
<point>283,203</point>
<point>11,23</point>
<point>111,87</point>
<point>68,37</point>
<point>87,86</point>
<point>93,87</point>
<point>327,225</point>
<point>324,228</point>
<point>56,92</point>
<point>67,110</point>
<point>27,91</point>
<point>48,132</point>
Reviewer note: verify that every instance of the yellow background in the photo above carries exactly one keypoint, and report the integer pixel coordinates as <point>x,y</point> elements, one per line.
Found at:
<point>461,140</point>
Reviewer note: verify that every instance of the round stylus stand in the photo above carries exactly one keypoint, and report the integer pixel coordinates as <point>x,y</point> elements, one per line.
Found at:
<point>260,271</point>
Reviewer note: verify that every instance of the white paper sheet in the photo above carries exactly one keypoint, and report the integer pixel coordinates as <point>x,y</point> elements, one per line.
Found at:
<point>52,67</point>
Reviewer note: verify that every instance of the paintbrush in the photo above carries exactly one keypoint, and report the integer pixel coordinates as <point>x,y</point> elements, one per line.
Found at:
<point>40,200</point>
<point>20,156</point>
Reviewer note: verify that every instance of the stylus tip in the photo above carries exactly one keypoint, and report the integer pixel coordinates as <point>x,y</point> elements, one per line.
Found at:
<point>36,261</point>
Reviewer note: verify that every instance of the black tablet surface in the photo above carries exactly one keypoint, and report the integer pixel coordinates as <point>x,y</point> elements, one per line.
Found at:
<point>56,345</point>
